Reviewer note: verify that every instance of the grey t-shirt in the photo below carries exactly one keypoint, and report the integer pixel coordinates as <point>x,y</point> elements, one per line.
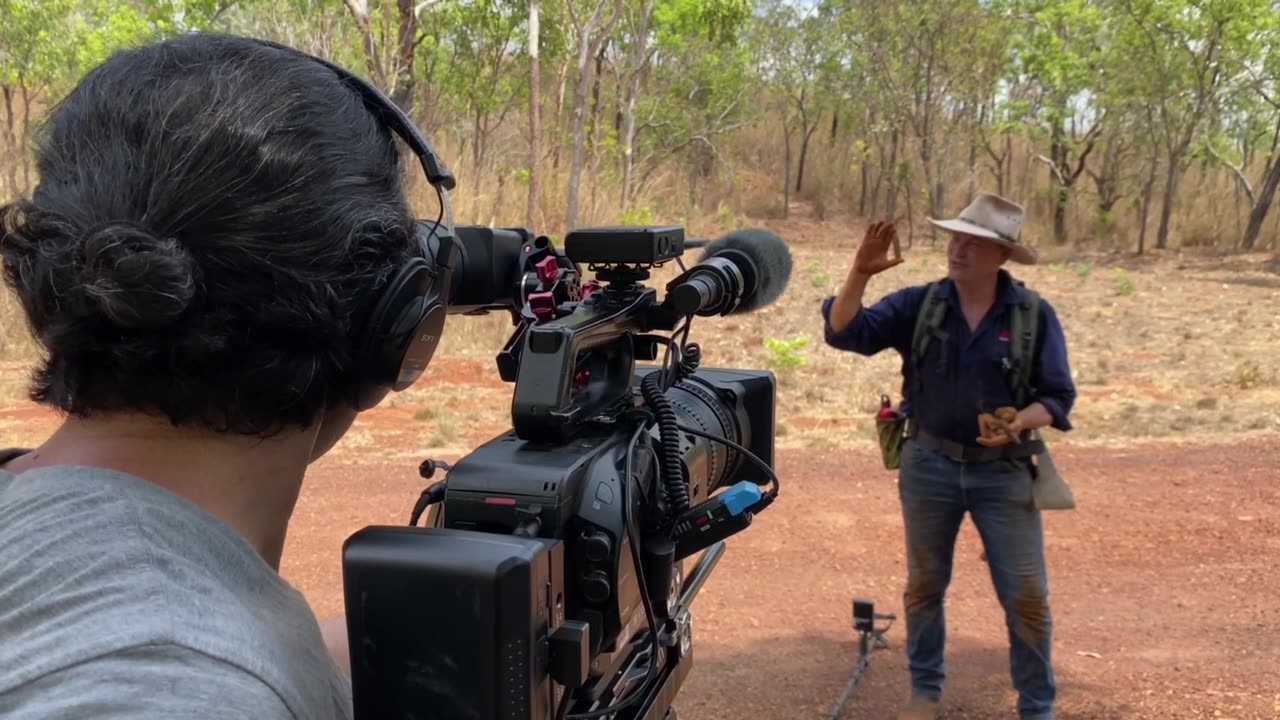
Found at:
<point>120,599</point>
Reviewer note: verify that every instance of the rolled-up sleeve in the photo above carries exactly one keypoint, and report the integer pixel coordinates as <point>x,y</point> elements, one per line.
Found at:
<point>1054,386</point>
<point>885,324</point>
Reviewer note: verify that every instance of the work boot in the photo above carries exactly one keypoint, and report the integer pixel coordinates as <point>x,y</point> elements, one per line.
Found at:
<point>920,708</point>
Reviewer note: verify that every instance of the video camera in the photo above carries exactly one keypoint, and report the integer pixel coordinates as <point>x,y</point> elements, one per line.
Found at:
<point>548,582</point>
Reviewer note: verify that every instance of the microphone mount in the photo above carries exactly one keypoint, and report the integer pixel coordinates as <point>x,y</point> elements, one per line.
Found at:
<point>715,286</point>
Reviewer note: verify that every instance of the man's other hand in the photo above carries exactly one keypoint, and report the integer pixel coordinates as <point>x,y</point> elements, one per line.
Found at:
<point>1031,417</point>
<point>997,431</point>
<point>873,253</point>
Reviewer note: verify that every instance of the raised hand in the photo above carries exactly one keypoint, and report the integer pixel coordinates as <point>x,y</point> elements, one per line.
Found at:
<point>873,253</point>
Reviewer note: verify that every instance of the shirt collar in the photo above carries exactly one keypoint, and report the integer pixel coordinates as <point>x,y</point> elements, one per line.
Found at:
<point>1006,289</point>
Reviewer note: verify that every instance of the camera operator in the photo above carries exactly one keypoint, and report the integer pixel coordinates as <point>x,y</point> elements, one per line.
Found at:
<point>213,222</point>
<point>949,467</point>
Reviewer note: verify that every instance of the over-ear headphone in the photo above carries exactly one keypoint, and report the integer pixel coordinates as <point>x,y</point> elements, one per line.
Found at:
<point>403,330</point>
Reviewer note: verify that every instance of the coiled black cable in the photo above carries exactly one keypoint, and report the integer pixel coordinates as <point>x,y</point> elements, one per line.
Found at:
<point>668,446</point>
<point>690,357</point>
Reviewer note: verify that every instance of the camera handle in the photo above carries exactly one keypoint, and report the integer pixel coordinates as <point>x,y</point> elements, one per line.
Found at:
<point>434,493</point>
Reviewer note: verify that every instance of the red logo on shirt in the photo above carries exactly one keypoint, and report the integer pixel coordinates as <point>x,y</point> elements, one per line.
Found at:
<point>1004,336</point>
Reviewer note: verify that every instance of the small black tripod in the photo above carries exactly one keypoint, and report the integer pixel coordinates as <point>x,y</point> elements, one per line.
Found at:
<point>869,639</point>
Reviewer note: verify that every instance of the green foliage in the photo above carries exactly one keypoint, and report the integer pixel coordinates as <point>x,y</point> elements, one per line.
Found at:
<point>637,216</point>
<point>1123,284</point>
<point>1193,82</point>
<point>784,355</point>
<point>479,75</point>
<point>1104,223</point>
<point>716,21</point>
<point>1247,375</point>
<point>817,276</point>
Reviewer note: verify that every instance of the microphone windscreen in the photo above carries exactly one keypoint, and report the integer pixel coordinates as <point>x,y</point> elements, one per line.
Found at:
<point>771,257</point>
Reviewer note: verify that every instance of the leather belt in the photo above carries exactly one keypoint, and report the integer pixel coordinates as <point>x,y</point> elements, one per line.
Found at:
<point>975,453</point>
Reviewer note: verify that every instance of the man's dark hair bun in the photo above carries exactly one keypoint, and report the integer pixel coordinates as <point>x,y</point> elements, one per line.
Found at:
<point>137,279</point>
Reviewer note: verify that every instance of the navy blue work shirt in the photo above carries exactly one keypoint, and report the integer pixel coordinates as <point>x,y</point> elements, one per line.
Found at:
<point>967,370</point>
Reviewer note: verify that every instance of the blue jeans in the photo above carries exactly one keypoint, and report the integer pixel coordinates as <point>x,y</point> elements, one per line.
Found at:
<point>936,491</point>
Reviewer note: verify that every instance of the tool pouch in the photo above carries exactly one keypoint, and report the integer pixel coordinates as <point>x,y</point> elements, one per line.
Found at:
<point>892,435</point>
<point>1049,490</point>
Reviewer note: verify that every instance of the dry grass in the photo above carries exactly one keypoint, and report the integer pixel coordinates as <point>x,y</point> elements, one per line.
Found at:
<point>1164,346</point>
<point>1168,346</point>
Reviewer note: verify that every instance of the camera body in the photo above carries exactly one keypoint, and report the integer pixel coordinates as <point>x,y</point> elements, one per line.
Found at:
<point>550,580</point>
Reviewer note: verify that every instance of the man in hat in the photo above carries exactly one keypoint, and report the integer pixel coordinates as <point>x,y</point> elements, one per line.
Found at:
<point>948,465</point>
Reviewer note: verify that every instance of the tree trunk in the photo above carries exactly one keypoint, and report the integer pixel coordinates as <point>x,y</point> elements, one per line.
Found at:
<point>628,141</point>
<point>588,45</point>
<point>26,132</point>
<point>804,151</point>
<point>893,175</point>
<point>938,195</point>
<point>926,143</point>
<point>499,200</point>
<point>880,176</point>
<point>1236,205</point>
<point>360,11</point>
<point>1145,204</point>
<point>629,108</point>
<point>1057,187</point>
<point>926,158</point>
<point>16,151</point>
<point>579,132</point>
<point>1259,212</point>
<point>1061,196</point>
<point>1006,162</point>
<point>477,147</point>
<point>862,197</point>
<point>407,36</point>
<point>1170,196</point>
<point>911,228</point>
<point>562,81</point>
<point>593,126</point>
<point>973,161</point>
<point>1024,185</point>
<point>786,173</point>
<point>535,119</point>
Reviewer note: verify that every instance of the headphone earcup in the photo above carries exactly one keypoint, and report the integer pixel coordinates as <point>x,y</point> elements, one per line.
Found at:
<point>401,336</point>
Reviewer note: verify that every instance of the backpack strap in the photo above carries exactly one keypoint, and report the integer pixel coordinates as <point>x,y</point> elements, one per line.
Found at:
<point>928,325</point>
<point>1024,323</point>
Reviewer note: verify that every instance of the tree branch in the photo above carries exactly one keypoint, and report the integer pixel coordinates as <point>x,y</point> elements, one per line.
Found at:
<point>1239,173</point>
<point>360,11</point>
<point>425,4</point>
<point>1054,168</point>
<point>1091,138</point>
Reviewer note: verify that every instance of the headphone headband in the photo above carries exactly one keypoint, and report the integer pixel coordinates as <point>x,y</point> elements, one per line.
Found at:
<point>408,315</point>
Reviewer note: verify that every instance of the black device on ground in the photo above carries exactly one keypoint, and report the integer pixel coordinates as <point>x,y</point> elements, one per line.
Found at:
<point>870,638</point>
<point>549,580</point>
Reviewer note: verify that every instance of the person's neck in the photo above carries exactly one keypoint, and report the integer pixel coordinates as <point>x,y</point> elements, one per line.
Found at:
<point>977,292</point>
<point>248,483</point>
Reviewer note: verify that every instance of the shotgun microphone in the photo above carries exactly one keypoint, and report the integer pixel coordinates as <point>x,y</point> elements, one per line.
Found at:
<point>738,273</point>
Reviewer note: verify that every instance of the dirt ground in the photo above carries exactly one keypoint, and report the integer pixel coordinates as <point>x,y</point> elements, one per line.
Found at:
<point>1163,587</point>
<point>1163,582</point>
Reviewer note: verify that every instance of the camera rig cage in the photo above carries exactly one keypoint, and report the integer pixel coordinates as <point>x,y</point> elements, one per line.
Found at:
<point>548,582</point>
